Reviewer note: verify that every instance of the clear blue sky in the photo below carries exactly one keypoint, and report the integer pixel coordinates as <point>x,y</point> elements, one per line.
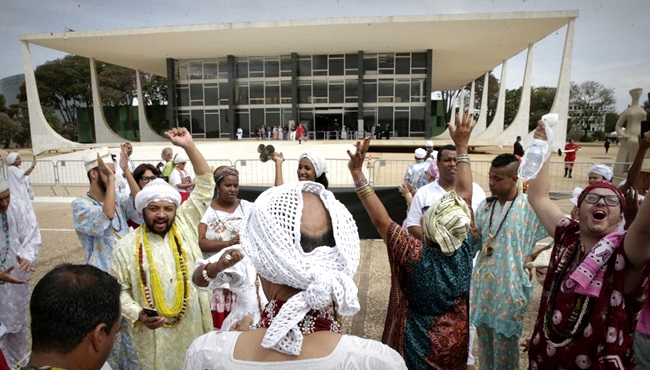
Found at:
<point>611,40</point>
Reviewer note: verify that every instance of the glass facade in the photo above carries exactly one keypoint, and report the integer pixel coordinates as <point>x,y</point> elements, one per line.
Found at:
<point>324,92</point>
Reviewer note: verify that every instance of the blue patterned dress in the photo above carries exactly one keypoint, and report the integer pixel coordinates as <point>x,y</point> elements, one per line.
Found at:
<point>427,320</point>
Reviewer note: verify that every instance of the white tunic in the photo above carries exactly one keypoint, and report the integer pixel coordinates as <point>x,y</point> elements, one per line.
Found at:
<point>214,351</point>
<point>24,241</point>
<point>19,185</point>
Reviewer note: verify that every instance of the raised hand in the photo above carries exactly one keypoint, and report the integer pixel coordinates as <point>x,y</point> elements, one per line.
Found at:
<point>103,169</point>
<point>277,157</point>
<point>356,160</point>
<point>540,132</point>
<point>124,158</point>
<point>179,136</point>
<point>464,126</point>
<point>229,258</point>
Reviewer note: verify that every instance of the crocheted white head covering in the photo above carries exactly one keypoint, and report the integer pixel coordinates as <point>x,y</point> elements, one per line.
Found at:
<point>447,222</point>
<point>271,239</point>
<point>11,158</point>
<point>320,167</point>
<point>605,171</point>
<point>156,191</point>
<point>90,157</point>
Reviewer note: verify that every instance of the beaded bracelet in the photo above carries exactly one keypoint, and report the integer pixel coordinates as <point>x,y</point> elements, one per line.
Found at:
<point>360,182</point>
<point>205,275</point>
<point>463,158</point>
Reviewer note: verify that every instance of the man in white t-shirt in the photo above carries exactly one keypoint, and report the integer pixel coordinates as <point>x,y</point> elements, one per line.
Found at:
<point>433,191</point>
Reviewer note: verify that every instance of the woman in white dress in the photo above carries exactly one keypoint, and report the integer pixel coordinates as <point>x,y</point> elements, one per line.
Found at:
<point>180,179</point>
<point>219,229</point>
<point>18,179</point>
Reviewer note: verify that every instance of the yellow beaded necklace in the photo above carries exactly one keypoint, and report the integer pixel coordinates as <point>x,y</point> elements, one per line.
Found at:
<point>156,297</point>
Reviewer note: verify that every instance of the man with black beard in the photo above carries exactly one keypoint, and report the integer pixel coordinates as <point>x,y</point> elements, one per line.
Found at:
<point>99,218</point>
<point>165,312</point>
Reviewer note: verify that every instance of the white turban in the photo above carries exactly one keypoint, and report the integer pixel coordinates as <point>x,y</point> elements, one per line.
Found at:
<point>420,153</point>
<point>156,191</point>
<point>180,158</point>
<point>271,239</point>
<point>602,170</point>
<point>320,167</point>
<point>4,185</point>
<point>90,157</point>
<point>447,222</point>
<point>429,144</point>
<point>11,158</point>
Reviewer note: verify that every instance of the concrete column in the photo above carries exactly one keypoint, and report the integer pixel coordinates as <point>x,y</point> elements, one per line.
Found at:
<point>561,101</point>
<point>146,132</point>
<point>496,127</point>
<point>103,133</point>
<point>44,138</point>
<point>427,94</point>
<point>471,97</point>
<point>519,125</point>
<point>482,115</point>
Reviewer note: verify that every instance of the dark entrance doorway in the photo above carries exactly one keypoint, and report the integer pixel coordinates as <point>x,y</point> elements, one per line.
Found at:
<point>328,125</point>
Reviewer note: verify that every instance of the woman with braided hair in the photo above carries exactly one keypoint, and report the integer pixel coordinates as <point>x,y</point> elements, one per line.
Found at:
<point>219,229</point>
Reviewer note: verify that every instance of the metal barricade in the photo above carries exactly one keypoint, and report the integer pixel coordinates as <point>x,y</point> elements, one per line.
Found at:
<point>44,174</point>
<point>72,173</point>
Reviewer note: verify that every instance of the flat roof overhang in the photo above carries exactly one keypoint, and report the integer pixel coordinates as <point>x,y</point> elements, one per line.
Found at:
<point>464,46</point>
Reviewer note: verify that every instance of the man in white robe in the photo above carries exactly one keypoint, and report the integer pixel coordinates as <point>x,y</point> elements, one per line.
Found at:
<point>20,241</point>
<point>161,251</point>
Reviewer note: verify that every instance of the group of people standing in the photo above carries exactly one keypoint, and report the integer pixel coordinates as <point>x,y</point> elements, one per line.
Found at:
<point>211,281</point>
<point>293,132</point>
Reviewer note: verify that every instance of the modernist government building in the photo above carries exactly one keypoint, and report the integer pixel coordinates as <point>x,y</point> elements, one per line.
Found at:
<point>328,74</point>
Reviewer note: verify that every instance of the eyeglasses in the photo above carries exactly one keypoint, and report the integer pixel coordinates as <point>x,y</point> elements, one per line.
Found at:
<point>610,200</point>
<point>148,178</point>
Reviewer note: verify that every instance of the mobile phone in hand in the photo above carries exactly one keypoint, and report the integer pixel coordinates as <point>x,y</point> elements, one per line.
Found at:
<point>150,313</point>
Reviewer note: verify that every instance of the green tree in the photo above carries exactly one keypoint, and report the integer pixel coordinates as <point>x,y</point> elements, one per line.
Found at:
<point>541,102</point>
<point>154,89</point>
<point>513,98</point>
<point>8,129</point>
<point>590,101</point>
<point>64,84</point>
<point>610,122</point>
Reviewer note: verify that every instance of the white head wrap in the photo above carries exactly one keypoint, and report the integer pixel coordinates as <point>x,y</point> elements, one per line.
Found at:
<point>156,191</point>
<point>447,222</point>
<point>429,144</point>
<point>11,158</point>
<point>180,158</point>
<point>320,167</point>
<point>420,153</point>
<point>605,171</point>
<point>90,157</point>
<point>271,239</point>
<point>4,185</point>
<point>575,195</point>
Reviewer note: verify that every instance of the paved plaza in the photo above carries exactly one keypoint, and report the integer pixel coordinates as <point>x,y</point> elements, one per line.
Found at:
<point>60,243</point>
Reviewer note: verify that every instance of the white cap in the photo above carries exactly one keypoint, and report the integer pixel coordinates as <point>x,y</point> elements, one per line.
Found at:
<point>90,157</point>
<point>420,153</point>
<point>575,195</point>
<point>429,144</point>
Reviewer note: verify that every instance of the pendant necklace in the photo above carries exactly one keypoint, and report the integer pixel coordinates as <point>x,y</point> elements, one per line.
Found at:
<point>487,244</point>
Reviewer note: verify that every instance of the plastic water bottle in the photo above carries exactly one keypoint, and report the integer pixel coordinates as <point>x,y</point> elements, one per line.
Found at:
<point>538,152</point>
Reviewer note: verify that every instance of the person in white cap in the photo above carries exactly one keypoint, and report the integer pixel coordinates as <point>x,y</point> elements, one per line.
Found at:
<point>100,218</point>
<point>431,153</point>
<point>415,173</point>
<point>600,172</point>
<point>19,179</point>
<point>311,167</point>
<point>304,245</point>
<point>180,179</point>
<point>152,264</point>
<point>20,242</point>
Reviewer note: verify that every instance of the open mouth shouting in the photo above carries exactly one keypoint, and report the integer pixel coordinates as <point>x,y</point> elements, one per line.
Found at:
<point>598,215</point>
